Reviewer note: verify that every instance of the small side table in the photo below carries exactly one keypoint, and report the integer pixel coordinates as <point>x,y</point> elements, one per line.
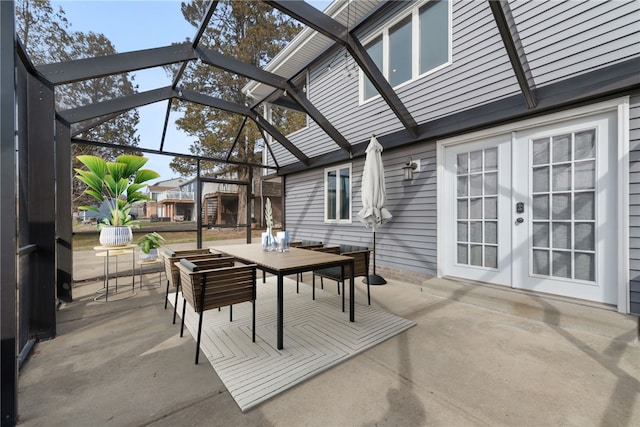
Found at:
<point>115,251</point>
<point>142,263</point>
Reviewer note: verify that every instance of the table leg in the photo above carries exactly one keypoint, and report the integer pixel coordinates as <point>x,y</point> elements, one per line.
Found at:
<point>106,296</point>
<point>280,310</point>
<point>133,271</point>
<point>352,307</point>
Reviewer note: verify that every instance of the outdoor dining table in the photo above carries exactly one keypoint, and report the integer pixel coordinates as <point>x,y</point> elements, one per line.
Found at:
<point>283,264</point>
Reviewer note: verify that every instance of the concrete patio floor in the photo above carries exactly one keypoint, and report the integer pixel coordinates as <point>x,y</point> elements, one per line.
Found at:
<point>479,355</point>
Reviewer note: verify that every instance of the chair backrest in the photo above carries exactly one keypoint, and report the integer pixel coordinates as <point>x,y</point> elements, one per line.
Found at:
<point>327,249</point>
<point>360,255</point>
<point>201,264</point>
<point>307,244</point>
<point>222,286</point>
<point>171,257</point>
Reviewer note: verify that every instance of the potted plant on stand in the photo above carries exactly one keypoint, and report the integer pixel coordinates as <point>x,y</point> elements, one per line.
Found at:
<point>116,184</point>
<point>149,244</point>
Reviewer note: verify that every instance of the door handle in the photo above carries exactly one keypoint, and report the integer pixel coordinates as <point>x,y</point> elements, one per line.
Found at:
<point>519,220</point>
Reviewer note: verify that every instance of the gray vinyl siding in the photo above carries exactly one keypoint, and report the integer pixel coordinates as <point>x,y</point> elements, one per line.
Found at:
<point>587,35</point>
<point>634,204</point>
<point>407,242</point>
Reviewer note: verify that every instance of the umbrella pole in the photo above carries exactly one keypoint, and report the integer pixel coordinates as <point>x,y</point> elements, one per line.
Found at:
<point>374,279</point>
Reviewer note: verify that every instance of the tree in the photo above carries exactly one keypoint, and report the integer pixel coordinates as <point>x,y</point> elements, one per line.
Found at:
<point>251,32</point>
<point>47,38</point>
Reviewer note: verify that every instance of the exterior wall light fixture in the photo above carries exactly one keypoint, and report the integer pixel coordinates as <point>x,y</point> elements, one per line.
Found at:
<point>409,168</point>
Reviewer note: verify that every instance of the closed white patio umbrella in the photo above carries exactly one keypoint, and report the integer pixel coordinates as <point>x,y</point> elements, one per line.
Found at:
<point>374,198</point>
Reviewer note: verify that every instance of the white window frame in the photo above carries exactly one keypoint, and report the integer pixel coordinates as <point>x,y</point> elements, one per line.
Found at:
<point>415,48</point>
<point>338,194</point>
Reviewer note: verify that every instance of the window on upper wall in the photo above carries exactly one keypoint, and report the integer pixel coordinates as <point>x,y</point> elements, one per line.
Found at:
<point>337,194</point>
<point>416,44</point>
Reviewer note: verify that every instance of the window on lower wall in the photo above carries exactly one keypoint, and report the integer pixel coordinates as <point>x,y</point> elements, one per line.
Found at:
<point>337,194</point>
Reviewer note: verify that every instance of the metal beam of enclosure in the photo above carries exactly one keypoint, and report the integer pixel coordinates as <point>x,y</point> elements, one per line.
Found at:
<point>235,141</point>
<point>233,65</point>
<point>8,217</point>
<point>79,114</point>
<point>91,68</point>
<point>317,117</point>
<point>96,123</point>
<point>232,107</point>
<point>196,40</point>
<point>331,28</point>
<point>511,39</point>
<point>168,153</point>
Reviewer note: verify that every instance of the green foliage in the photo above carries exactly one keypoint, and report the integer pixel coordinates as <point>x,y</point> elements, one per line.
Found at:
<point>117,184</point>
<point>150,241</point>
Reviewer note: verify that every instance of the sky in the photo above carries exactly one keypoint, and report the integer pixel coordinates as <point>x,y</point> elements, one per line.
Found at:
<point>135,25</point>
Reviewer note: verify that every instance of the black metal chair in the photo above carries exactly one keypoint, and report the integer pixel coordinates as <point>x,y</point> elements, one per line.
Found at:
<point>304,244</point>
<point>361,256</point>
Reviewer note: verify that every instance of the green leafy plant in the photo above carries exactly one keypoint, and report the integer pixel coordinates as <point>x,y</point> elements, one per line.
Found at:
<point>150,241</point>
<point>117,184</point>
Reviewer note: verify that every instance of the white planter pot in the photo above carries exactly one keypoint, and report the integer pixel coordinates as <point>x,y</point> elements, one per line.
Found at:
<point>116,236</point>
<point>153,254</point>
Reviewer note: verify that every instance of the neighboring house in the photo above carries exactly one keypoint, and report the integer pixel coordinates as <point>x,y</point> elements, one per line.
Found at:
<point>529,164</point>
<point>165,196</point>
<point>175,200</point>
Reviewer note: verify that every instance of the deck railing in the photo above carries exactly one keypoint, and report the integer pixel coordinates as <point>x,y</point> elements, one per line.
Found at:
<point>176,195</point>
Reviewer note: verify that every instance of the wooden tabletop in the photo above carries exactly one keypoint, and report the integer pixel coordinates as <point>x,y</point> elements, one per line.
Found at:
<point>282,262</point>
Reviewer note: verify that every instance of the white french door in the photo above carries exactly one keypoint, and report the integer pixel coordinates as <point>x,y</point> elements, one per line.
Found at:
<point>535,209</point>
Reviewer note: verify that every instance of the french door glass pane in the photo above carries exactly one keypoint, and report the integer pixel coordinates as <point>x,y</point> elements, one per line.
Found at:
<point>561,264</point>
<point>561,235</point>
<point>585,266</point>
<point>476,255</point>
<point>586,144</point>
<point>490,232</point>
<point>584,204</point>
<point>541,234</point>
<point>475,158</point>
<point>475,210</point>
<point>540,262</point>
<point>585,175</point>
<point>541,179</point>
<point>463,255</point>
<point>491,159</point>
<point>585,234</point>
<point>561,148</point>
<point>564,211</point>
<point>475,231</point>
<point>491,256</point>
<point>561,177</point>
<point>541,151</point>
<point>463,234</point>
<point>541,207</point>
<point>491,207</point>
<point>475,185</point>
